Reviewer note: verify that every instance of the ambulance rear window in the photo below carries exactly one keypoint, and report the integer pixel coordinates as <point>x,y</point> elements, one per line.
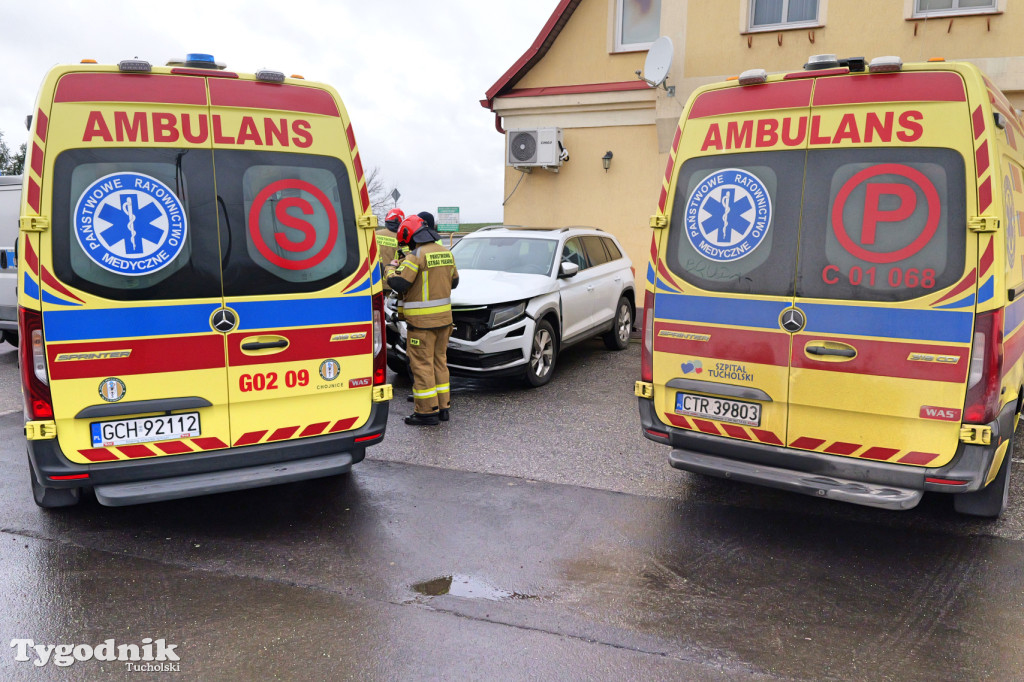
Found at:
<point>136,224</point>
<point>882,224</point>
<point>291,222</point>
<point>734,222</point>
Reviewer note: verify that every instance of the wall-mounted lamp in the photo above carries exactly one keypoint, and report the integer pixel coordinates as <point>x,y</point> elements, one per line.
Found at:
<point>606,160</point>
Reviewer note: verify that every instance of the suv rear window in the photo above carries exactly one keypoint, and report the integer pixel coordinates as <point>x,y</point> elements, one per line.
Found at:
<point>735,222</point>
<point>882,224</point>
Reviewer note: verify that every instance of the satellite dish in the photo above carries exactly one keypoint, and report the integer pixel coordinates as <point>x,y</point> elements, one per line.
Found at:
<point>659,60</point>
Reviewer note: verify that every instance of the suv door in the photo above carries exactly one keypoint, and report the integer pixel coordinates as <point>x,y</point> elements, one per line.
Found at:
<point>607,279</point>
<point>576,291</point>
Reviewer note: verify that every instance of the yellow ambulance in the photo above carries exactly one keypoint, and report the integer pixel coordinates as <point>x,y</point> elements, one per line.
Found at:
<point>835,295</point>
<point>199,295</point>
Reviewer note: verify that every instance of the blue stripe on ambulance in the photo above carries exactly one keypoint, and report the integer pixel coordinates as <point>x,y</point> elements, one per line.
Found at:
<point>987,290</point>
<point>822,318</point>
<point>302,313</point>
<point>114,323</point>
<point>117,323</point>
<point>1013,315</point>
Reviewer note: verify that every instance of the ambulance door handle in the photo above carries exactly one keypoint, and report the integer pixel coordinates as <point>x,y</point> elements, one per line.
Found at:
<point>266,344</point>
<point>260,345</point>
<point>831,348</point>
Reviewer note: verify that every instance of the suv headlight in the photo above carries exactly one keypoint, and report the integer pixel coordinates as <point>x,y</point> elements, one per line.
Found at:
<point>506,314</point>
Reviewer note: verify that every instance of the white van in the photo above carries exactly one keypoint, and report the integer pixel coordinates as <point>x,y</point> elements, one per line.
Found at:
<point>10,208</point>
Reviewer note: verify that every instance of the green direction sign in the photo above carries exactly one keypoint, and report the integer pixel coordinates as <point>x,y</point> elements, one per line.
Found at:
<point>447,218</point>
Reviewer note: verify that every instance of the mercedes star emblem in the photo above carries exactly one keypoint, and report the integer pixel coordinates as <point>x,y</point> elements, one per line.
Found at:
<point>792,320</point>
<point>223,320</point>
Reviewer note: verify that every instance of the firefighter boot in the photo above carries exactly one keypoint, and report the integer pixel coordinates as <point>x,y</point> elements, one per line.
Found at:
<point>421,419</point>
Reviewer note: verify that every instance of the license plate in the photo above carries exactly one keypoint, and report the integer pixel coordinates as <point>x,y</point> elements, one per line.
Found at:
<point>145,429</point>
<point>720,409</point>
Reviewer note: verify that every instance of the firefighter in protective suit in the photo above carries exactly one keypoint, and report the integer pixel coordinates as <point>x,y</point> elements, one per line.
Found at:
<point>425,279</point>
<point>387,244</point>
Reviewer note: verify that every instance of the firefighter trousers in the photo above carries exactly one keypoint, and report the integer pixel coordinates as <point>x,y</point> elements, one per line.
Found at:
<point>428,362</point>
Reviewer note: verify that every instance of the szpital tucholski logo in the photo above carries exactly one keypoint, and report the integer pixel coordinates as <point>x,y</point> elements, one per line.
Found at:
<point>130,223</point>
<point>728,215</point>
<point>152,655</point>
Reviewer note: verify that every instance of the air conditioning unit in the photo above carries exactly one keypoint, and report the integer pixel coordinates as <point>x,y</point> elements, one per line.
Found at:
<point>534,147</point>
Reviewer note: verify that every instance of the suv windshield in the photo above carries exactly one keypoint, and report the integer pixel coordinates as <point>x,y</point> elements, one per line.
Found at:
<point>506,254</point>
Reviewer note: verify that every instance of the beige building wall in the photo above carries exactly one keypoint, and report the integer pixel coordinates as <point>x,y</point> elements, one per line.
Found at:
<point>583,193</point>
<point>711,43</point>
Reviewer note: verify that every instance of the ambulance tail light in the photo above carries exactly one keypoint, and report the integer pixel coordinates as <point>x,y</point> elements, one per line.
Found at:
<point>647,341</point>
<point>380,354</point>
<point>34,380</point>
<point>985,374</point>
<point>885,65</point>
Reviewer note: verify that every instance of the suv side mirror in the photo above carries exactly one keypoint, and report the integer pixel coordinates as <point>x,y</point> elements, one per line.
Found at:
<point>567,269</point>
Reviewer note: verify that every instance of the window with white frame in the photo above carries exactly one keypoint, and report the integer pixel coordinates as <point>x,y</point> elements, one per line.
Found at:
<point>776,14</point>
<point>929,8</point>
<point>637,24</point>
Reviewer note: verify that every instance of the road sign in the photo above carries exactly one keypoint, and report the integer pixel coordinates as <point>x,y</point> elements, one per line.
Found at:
<point>395,194</point>
<point>447,218</point>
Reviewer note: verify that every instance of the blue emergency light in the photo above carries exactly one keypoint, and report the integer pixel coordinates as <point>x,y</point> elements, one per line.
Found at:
<point>200,60</point>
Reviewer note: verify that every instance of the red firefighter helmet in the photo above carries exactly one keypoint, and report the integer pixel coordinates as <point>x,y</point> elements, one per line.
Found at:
<point>409,227</point>
<point>394,218</point>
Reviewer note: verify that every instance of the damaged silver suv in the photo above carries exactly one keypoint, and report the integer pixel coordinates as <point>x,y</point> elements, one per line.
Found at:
<point>525,294</point>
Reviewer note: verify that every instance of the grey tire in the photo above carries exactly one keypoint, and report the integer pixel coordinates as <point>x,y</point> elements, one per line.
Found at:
<point>617,338</point>
<point>543,353</point>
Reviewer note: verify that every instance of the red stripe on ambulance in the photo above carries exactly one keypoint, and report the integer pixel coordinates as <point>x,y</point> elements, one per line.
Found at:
<point>890,87</point>
<point>890,359</point>
<point>147,356</point>
<point>304,344</point>
<point>791,95</point>
<point>254,95</point>
<point>725,345</point>
<point>117,87</point>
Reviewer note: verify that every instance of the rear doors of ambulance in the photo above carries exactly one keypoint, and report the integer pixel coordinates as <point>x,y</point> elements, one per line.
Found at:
<point>879,369</point>
<point>160,321</point>
<point>296,279</point>
<point>820,247</point>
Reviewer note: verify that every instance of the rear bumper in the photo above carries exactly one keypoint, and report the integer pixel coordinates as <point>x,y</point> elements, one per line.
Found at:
<point>175,476</point>
<point>865,482</point>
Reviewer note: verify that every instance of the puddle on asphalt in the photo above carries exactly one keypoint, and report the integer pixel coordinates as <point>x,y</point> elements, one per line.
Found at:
<point>466,586</point>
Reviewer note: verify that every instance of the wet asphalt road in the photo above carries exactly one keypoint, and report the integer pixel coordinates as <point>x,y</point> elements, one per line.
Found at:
<point>536,536</point>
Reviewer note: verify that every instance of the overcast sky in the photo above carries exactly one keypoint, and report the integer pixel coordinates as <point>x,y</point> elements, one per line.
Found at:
<point>411,72</point>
